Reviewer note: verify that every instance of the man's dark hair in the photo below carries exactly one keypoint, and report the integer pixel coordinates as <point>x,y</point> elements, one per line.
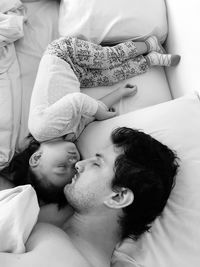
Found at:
<point>148,168</point>
<point>22,174</point>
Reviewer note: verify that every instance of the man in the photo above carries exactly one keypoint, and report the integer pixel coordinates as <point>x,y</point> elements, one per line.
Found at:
<point>115,194</point>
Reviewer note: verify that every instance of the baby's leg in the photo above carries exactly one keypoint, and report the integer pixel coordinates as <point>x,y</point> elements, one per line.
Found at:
<point>92,56</point>
<point>95,65</point>
<point>112,64</point>
<point>127,69</point>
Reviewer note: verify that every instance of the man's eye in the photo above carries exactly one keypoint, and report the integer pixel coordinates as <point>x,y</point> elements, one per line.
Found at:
<point>96,164</point>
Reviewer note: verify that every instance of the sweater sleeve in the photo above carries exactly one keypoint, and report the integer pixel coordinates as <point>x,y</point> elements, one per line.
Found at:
<point>62,117</point>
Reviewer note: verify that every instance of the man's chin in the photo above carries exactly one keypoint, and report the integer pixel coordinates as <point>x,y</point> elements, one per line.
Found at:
<point>71,183</point>
<point>68,189</point>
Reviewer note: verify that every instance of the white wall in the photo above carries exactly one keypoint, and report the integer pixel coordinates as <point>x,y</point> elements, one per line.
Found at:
<point>184,39</point>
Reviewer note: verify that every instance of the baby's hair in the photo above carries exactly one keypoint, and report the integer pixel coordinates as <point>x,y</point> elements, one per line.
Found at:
<point>19,165</point>
<point>22,174</point>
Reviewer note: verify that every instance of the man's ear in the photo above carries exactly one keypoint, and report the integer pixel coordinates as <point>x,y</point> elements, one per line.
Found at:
<point>120,199</point>
<point>35,159</point>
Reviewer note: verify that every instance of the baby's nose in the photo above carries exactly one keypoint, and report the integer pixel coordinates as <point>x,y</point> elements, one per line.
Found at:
<point>72,160</point>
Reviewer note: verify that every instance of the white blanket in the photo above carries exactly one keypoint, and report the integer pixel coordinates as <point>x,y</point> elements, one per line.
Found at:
<point>11,29</point>
<point>19,211</point>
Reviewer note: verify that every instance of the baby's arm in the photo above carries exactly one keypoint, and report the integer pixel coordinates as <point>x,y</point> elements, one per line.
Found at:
<point>112,98</point>
<point>65,116</point>
<point>62,117</point>
<point>116,95</point>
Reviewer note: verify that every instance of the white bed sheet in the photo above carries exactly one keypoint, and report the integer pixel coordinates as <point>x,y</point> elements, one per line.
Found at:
<point>39,30</point>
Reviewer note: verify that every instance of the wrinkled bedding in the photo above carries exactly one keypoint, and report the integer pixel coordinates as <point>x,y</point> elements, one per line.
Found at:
<point>20,210</point>
<point>11,29</point>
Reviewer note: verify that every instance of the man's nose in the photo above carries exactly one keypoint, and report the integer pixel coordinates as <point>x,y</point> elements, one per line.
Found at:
<point>79,166</point>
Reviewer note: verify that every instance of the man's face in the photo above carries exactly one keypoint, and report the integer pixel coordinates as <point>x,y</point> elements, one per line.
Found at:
<point>57,162</point>
<point>92,184</point>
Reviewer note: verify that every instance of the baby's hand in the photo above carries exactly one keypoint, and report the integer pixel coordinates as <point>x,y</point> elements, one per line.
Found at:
<point>103,114</point>
<point>129,90</point>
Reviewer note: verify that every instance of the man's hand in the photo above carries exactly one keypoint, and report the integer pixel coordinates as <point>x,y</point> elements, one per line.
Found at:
<point>103,114</point>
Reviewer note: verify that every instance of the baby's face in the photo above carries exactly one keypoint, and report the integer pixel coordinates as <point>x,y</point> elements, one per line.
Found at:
<point>58,161</point>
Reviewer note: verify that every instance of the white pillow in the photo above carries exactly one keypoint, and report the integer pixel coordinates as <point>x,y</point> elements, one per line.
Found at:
<point>175,236</point>
<point>19,210</point>
<point>113,20</point>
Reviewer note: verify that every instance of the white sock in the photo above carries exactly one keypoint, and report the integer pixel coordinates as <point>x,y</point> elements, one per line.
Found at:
<point>153,44</point>
<point>156,59</point>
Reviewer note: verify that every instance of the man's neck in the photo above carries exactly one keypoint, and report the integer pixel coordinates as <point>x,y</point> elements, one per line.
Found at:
<point>95,236</point>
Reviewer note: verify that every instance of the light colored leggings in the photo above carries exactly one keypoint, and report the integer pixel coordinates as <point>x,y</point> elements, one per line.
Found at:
<point>96,65</point>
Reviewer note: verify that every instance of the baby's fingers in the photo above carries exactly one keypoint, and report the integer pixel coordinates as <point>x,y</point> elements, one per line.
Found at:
<point>111,114</point>
<point>128,85</point>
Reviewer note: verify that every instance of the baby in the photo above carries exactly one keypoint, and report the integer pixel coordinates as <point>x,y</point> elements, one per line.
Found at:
<point>58,108</point>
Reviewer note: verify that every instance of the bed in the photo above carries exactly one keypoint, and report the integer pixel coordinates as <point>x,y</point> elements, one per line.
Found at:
<point>167,104</point>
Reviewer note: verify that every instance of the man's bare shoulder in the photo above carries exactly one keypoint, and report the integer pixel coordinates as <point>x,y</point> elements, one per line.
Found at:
<point>45,233</point>
<point>53,242</point>
<point>48,246</point>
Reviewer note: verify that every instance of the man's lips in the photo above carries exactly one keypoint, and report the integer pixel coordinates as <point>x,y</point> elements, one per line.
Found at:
<point>74,178</point>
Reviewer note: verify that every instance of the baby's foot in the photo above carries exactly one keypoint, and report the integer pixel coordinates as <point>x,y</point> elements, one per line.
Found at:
<point>129,90</point>
<point>153,44</point>
<point>157,59</point>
